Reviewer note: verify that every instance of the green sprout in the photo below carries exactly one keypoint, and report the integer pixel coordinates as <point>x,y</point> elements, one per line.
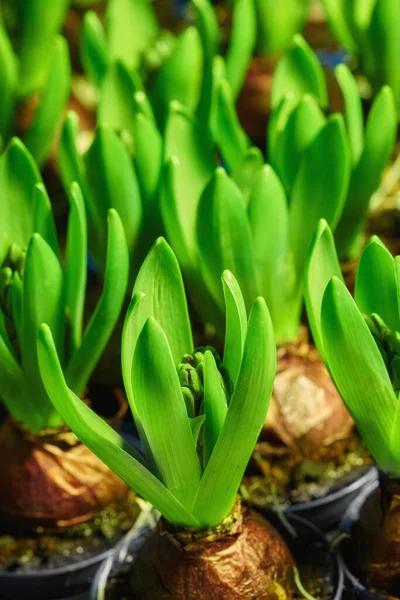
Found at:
<point>298,98</point>
<point>33,69</point>
<point>37,286</point>
<point>369,32</point>
<point>359,339</point>
<point>198,415</point>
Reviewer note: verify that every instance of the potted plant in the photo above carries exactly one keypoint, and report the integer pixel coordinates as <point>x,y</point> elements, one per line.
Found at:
<point>51,485</point>
<point>198,417</point>
<point>35,73</point>
<point>299,95</point>
<point>358,339</point>
<point>263,237</point>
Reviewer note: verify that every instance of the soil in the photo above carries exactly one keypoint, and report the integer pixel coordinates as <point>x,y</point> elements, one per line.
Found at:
<point>317,572</point>
<point>50,551</point>
<point>279,475</point>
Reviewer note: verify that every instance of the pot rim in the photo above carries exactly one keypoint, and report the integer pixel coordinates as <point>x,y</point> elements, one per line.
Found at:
<point>370,476</point>
<point>81,564</point>
<point>346,527</point>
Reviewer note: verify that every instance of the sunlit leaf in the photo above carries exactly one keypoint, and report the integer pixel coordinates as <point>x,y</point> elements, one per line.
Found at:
<point>40,135</point>
<point>224,236</point>
<point>103,320</point>
<point>215,406</point>
<point>322,264</point>
<point>243,422</point>
<point>299,72</point>
<point>376,287</point>
<point>241,44</point>
<point>236,325</point>
<point>358,370</point>
<point>163,414</point>
<point>103,440</point>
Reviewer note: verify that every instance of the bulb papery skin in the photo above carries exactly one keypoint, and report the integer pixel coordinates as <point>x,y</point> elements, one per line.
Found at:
<point>306,411</point>
<point>51,480</point>
<point>379,538</point>
<point>249,561</point>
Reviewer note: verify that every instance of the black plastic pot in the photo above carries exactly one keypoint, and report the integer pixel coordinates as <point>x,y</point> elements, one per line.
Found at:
<point>327,512</point>
<point>71,581</point>
<point>122,560</point>
<point>347,549</point>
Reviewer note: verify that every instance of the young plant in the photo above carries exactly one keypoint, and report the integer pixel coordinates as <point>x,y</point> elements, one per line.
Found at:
<point>359,341</point>
<point>298,98</point>
<point>369,32</point>
<point>36,286</point>
<point>198,418</point>
<point>246,223</point>
<point>33,66</point>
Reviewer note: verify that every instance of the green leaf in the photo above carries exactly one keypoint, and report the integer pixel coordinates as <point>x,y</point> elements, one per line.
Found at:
<point>277,124</point>
<point>148,157</point>
<point>39,23</point>
<point>108,309</point>
<point>116,106</point>
<point>43,218</point>
<point>228,133</point>
<point>278,22</point>
<point>196,424</point>
<point>180,77</point>
<point>15,391</point>
<point>209,33</point>
<point>242,43</point>
<point>268,217</point>
<point>215,406</point>
<point>163,414</point>
<point>353,110</point>
<point>185,177</point>
<point>322,264</point>
<point>380,135</point>
<point>72,169</point>
<point>161,281</point>
<point>41,133</point>
<point>18,176</point>
<point>376,287</point>
<point>113,184</point>
<point>224,238</point>
<point>75,266</point>
<point>339,16</point>
<point>320,188</point>
<point>8,85</point>
<point>301,128</point>
<point>135,319</point>
<point>247,170</point>
<point>299,72</point>
<point>243,422</point>
<point>70,161</point>
<point>236,325</point>
<point>106,443</point>
<point>122,18</point>
<point>42,302</point>
<point>358,370</point>
<point>93,48</point>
